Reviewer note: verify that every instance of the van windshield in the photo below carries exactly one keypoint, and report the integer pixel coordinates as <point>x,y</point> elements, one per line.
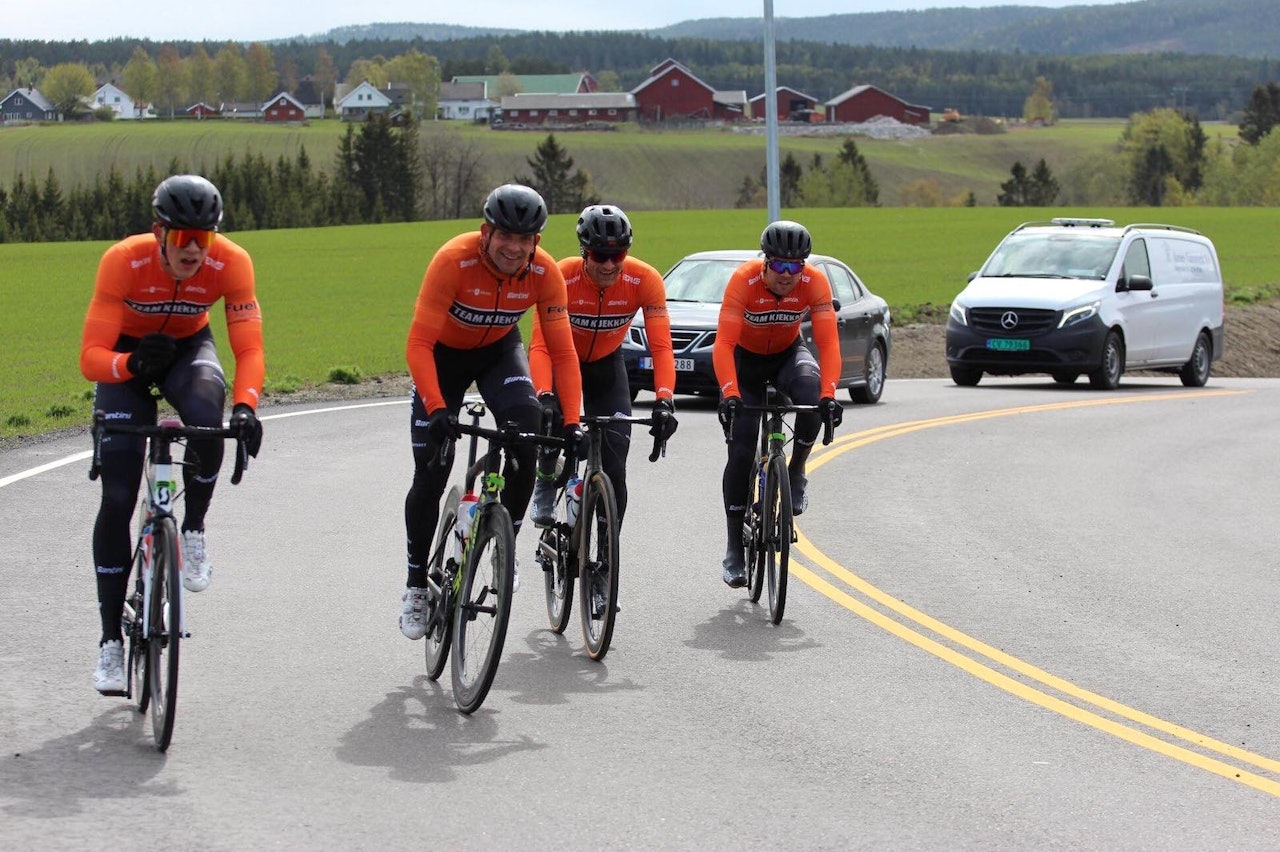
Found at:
<point>1057,255</point>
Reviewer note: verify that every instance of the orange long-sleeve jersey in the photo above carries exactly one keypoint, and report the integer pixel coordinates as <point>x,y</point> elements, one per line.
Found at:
<point>755,319</point>
<point>133,295</point>
<point>465,303</point>
<point>600,319</point>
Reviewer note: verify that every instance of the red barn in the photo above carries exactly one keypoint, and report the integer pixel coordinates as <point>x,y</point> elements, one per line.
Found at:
<point>284,107</point>
<point>673,92</point>
<point>792,106</point>
<point>863,103</point>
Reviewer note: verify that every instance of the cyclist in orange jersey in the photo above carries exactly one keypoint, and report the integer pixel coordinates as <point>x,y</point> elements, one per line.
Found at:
<point>475,290</point>
<point>758,341</point>
<point>606,287</point>
<point>147,329</point>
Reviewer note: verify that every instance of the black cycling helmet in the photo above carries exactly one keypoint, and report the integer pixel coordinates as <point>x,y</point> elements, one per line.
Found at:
<point>516,209</point>
<point>604,227</point>
<point>786,240</point>
<point>187,201</point>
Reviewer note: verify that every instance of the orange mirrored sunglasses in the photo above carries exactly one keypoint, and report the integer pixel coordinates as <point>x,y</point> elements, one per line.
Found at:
<point>182,236</point>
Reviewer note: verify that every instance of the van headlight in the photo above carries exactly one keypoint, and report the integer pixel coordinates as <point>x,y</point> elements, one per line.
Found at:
<point>958,313</point>
<point>1083,313</point>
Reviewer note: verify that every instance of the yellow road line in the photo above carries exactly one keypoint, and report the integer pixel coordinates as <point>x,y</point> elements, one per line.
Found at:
<point>957,637</point>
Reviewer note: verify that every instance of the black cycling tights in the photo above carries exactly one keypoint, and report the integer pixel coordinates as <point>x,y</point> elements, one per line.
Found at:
<point>195,387</point>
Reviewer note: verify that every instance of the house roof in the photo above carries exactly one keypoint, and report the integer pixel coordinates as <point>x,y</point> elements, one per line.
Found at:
<point>666,67</point>
<point>286,96</point>
<point>736,97</point>
<point>866,87</point>
<point>474,91</point>
<point>365,88</point>
<point>782,89</point>
<point>582,100</point>
<point>33,95</point>
<point>541,84</point>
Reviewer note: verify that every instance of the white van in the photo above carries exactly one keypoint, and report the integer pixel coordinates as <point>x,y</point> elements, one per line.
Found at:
<point>1074,296</point>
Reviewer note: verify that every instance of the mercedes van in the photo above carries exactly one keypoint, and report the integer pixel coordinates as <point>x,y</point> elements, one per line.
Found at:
<point>1073,297</point>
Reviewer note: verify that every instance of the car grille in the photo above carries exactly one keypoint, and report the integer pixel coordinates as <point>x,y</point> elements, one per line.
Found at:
<point>1027,320</point>
<point>682,340</point>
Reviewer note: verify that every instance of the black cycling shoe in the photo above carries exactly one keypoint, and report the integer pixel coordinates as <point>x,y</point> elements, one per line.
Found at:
<point>735,570</point>
<point>799,499</point>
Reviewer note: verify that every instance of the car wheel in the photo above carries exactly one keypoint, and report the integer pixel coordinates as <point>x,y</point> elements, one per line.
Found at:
<point>1107,376</point>
<point>1065,378</point>
<point>966,377</point>
<point>1195,372</point>
<point>869,394</point>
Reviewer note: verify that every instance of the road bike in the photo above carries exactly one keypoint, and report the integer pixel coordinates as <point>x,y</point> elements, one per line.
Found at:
<point>768,527</point>
<point>154,616</point>
<point>472,567</point>
<point>584,542</point>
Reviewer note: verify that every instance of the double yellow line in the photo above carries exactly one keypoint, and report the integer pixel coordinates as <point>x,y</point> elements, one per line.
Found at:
<point>967,653</point>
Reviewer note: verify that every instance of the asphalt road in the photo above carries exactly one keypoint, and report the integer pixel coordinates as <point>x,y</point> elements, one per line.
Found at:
<point>1020,617</point>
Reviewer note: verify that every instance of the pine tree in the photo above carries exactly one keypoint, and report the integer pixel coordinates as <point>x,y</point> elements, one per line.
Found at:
<point>1262,114</point>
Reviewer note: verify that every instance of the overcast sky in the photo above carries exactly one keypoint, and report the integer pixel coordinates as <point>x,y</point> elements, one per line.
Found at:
<point>262,20</point>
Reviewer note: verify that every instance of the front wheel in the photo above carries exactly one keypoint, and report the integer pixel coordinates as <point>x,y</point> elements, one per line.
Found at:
<point>598,564</point>
<point>483,607</point>
<point>1195,373</point>
<point>869,394</point>
<point>1107,375</point>
<point>966,377</point>
<point>439,624</point>
<point>777,535</point>
<point>557,576</point>
<point>164,631</point>
<point>752,524</point>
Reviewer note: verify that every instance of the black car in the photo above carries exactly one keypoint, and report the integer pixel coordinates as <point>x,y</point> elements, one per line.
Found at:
<point>695,288</point>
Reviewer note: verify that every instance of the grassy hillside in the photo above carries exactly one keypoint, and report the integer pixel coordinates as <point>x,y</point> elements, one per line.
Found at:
<point>342,298</point>
<point>636,168</point>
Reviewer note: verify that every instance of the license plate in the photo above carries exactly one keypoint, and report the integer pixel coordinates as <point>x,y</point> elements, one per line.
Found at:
<point>683,365</point>
<point>1009,344</point>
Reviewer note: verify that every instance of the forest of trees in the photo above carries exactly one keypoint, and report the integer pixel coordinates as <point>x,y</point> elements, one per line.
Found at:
<point>975,82</point>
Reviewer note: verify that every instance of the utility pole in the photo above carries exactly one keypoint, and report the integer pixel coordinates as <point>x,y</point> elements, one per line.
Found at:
<point>771,117</point>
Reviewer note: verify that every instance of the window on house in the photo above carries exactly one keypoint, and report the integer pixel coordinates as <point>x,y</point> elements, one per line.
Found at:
<point>613,112</point>
<point>592,112</point>
<point>553,112</point>
<point>573,112</point>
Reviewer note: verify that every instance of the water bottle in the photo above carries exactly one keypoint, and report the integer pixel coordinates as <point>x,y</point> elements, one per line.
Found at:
<point>462,524</point>
<point>572,496</point>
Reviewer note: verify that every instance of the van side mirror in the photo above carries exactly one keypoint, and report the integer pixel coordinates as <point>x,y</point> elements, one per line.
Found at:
<point>972,275</point>
<point>1138,282</point>
<point>835,305</point>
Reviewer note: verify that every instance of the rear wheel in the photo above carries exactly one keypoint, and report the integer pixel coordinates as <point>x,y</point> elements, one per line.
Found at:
<point>557,576</point>
<point>752,523</point>
<point>483,608</point>
<point>598,564</point>
<point>1195,373</point>
<point>136,673</point>
<point>1107,375</point>
<point>165,631</point>
<point>439,625</point>
<point>777,535</point>
<point>869,394</point>
<point>966,377</point>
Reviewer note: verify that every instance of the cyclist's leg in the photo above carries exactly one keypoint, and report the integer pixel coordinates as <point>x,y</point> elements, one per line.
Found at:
<point>605,391</point>
<point>507,388</point>
<point>197,389</point>
<point>737,469</point>
<point>122,461</point>
<point>799,378</point>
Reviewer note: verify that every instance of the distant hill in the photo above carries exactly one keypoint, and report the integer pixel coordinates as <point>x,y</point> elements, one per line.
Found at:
<point>1242,28</point>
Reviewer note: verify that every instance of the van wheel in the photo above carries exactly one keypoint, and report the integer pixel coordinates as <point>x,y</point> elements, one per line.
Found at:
<point>966,377</point>
<point>1107,376</point>
<point>1195,372</point>
<point>869,394</point>
<point>1064,378</point>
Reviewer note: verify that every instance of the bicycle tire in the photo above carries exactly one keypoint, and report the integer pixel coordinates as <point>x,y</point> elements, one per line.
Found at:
<point>164,630</point>
<point>752,524</point>
<point>557,576</point>
<point>598,564</point>
<point>778,521</point>
<point>440,626</point>
<point>483,607</point>
<point>136,666</point>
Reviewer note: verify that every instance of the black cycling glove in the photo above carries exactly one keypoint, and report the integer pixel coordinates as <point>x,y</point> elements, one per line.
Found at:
<point>153,356</point>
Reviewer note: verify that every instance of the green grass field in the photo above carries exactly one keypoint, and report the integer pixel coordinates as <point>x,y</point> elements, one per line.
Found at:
<point>343,297</point>
<point>635,167</point>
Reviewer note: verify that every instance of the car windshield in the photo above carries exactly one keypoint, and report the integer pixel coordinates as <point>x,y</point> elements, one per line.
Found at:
<point>1058,255</point>
<point>699,280</point>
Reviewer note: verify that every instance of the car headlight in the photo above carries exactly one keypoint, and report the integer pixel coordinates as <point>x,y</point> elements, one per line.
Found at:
<point>1075,316</point>
<point>958,313</point>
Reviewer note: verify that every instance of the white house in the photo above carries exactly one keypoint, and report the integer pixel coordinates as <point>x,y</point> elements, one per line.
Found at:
<point>464,102</point>
<point>359,102</point>
<point>110,95</point>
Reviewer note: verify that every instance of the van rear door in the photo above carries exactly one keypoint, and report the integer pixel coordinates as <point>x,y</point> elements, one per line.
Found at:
<point>1188,285</point>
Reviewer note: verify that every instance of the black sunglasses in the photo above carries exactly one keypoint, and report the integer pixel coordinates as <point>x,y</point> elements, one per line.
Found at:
<point>606,255</point>
<point>786,267</point>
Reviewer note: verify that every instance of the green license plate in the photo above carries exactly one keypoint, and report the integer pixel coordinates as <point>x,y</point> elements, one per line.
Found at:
<point>1009,344</point>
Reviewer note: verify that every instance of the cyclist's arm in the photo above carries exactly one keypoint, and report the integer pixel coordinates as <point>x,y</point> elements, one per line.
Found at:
<point>539,360</point>
<point>657,327</point>
<point>429,315</point>
<point>244,332</point>
<point>825,334</point>
<point>728,331</point>
<point>99,362</point>
<point>553,319</point>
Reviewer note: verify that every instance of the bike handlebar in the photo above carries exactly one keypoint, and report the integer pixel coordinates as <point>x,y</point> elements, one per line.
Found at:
<point>828,427</point>
<point>659,445</point>
<point>167,432</point>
